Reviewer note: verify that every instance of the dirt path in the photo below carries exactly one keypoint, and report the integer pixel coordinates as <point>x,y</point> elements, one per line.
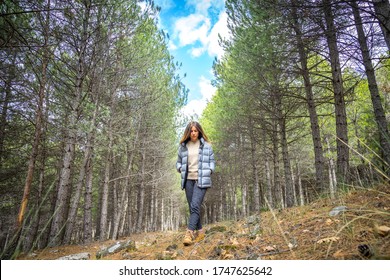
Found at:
<point>304,233</point>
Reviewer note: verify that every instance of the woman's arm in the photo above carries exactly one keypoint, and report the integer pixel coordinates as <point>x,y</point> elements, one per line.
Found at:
<point>179,161</point>
<point>212,160</point>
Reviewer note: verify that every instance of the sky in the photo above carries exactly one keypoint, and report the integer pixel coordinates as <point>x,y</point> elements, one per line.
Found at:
<point>193,27</point>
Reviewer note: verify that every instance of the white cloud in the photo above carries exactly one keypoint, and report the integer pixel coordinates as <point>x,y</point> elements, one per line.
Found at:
<point>220,28</point>
<point>206,89</point>
<point>191,29</point>
<point>196,52</point>
<point>198,32</point>
<point>197,29</point>
<point>195,107</point>
<point>201,6</point>
<point>171,46</point>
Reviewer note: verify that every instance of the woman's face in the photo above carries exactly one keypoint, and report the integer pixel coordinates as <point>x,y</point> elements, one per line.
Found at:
<point>194,134</point>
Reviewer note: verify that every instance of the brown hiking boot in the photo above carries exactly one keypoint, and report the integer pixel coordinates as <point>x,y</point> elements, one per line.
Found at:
<point>188,238</point>
<point>199,235</point>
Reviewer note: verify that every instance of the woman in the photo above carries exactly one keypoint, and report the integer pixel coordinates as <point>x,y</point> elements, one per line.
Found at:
<point>195,163</point>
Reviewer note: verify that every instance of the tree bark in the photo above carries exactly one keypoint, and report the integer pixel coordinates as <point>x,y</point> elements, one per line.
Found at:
<point>315,128</point>
<point>87,234</point>
<point>6,98</point>
<point>267,171</point>
<point>162,216</point>
<point>289,199</point>
<point>72,217</point>
<point>120,212</point>
<point>141,193</point>
<point>11,248</point>
<point>152,206</point>
<point>256,189</point>
<point>380,116</point>
<point>39,119</point>
<point>64,186</point>
<point>300,187</point>
<point>103,232</point>
<point>382,11</point>
<point>339,103</point>
<point>332,172</point>
<point>278,193</point>
<point>35,220</point>
<point>235,202</point>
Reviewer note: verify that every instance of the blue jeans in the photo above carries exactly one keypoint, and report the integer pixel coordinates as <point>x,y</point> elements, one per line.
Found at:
<point>195,197</point>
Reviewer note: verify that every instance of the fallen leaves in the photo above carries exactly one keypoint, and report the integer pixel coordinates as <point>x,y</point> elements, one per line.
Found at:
<point>226,256</point>
<point>301,233</point>
<point>292,245</point>
<point>269,249</point>
<point>234,242</point>
<point>340,254</point>
<point>329,221</point>
<point>382,230</point>
<point>328,240</point>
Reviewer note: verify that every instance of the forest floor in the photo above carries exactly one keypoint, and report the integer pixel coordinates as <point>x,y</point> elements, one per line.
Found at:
<point>301,233</point>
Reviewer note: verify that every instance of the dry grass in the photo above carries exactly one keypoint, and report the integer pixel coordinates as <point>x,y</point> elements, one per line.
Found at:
<point>303,233</point>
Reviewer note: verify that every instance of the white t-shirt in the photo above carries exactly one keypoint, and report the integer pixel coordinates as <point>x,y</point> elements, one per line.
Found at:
<point>193,154</point>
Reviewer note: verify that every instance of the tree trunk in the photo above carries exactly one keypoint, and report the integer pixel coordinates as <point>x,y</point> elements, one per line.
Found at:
<point>87,237</point>
<point>267,171</point>
<point>35,221</point>
<point>256,190</point>
<point>379,112</point>
<point>141,192</point>
<point>119,213</point>
<point>123,222</point>
<point>339,103</point>
<point>123,204</point>
<point>300,187</point>
<point>278,194</point>
<point>244,190</point>
<point>72,217</point>
<point>64,186</point>
<point>286,164</point>
<point>153,198</point>
<point>337,80</point>
<point>234,196</point>
<point>293,185</point>
<point>162,217</point>
<point>105,189</point>
<point>153,206</point>
<point>315,128</point>
<point>240,175</point>
<point>39,118</point>
<point>6,99</point>
<point>382,11</point>
<point>221,198</point>
<point>332,172</point>
<point>87,166</point>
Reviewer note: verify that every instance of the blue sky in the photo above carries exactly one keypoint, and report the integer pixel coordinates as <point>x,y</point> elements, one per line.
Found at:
<point>193,27</point>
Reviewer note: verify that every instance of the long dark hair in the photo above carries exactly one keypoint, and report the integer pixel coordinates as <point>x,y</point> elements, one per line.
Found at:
<point>187,132</point>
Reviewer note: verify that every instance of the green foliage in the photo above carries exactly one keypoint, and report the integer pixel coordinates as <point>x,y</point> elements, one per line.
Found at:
<point>259,83</point>
<point>113,84</point>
